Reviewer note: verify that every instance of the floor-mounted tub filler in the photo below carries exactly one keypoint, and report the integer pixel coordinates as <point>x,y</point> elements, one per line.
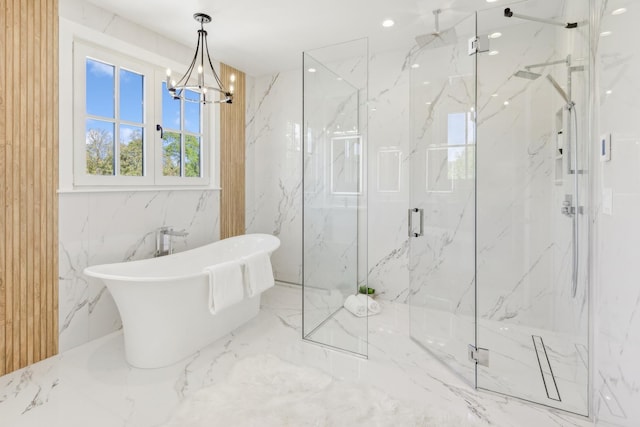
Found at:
<point>165,302</point>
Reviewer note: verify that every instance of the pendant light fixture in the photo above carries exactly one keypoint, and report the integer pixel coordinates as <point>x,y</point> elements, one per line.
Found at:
<point>200,63</point>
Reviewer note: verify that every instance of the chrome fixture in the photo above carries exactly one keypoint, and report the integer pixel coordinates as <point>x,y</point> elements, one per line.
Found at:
<point>164,244</point>
<point>528,74</point>
<point>568,209</point>
<point>437,38</point>
<point>567,206</point>
<point>410,221</point>
<point>508,13</point>
<point>177,89</point>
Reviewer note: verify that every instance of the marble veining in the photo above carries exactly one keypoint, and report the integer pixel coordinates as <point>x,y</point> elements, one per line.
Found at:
<point>92,385</point>
<point>113,227</point>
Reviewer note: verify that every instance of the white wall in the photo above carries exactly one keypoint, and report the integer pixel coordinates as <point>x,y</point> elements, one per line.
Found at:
<point>101,227</point>
<point>616,270</point>
<point>274,168</point>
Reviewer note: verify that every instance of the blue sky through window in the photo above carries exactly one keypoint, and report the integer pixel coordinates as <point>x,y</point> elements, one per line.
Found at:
<point>100,88</point>
<point>100,97</point>
<point>171,112</point>
<point>131,96</point>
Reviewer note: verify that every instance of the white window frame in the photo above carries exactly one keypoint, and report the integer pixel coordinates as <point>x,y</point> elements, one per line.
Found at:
<point>205,120</point>
<point>152,115</point>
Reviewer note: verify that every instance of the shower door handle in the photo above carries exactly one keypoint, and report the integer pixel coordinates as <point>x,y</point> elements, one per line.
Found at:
<point>410,221</point>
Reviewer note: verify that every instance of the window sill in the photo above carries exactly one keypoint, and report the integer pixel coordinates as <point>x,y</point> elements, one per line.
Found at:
<point>123,189</point>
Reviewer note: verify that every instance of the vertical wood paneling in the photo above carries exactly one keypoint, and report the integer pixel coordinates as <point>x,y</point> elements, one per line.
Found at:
<point>53,177</point>
<point>28,174</point>
<point>232,156</point>
<point>3,172</point>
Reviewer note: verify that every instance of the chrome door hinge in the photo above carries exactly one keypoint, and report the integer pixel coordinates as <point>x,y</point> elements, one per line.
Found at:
<point>479,355</point>
<point>478,44</point>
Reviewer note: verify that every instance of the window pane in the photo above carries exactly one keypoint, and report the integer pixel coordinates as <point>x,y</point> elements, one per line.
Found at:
<point>191,156</point>
<point>191,96</point>
<point>456,128</point>
<point>131,143</point>
<point>131,96</point>
<point>99,146</point>
<point>171,154</point>
<point>100,95</point>
<point>192,114</point>
<point>170,110</point>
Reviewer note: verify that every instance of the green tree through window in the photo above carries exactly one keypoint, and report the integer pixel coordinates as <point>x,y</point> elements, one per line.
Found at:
<point>99,152</point>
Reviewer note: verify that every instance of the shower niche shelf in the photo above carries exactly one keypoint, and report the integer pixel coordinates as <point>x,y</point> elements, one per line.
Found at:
<point>558,152</point>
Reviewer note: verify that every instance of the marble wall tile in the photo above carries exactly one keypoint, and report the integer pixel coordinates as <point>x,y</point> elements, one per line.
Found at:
<point>388,168</point>
<point>616,270</point>
<point>97,228</point>
<point>274,168</point>
<point>274,171</point>
<point>73,289</point>
<point>105,227</point>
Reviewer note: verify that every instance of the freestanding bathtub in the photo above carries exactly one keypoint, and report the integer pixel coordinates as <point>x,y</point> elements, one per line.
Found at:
<point>163,302</point>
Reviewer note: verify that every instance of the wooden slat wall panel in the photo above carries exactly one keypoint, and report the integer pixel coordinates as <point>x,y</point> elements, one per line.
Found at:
<point>232,156</point>
<point>28,182</point>
<point>4,41</point>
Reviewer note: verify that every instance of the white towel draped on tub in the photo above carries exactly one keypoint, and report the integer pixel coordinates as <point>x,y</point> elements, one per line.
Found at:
<point>258,273</point>
<point>225,285</point>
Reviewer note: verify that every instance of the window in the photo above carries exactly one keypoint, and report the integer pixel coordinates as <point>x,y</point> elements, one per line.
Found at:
<point>128,131</point>
<point>182,135</point>
<point>452,163</point>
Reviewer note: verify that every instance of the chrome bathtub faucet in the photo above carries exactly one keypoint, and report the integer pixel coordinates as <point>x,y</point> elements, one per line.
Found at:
<point>164,243</point>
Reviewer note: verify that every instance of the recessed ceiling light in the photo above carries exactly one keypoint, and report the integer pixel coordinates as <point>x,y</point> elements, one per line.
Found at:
<point>605,33</point>
<point>311,70</point>
<point>493,53</point>
<point>495,35</point>
<point>506,102</point>
<point>491,1</point>
<point>388,23</point>
<point>428,102</point>
<point>415,65</point>
<point>494,95</point>
<point>374,109</point>
<point>426,83</point>
<point>619,11</point>
<point>609,92</point>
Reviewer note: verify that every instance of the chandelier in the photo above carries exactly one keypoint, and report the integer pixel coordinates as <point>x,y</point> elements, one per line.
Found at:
<point>186,83</point>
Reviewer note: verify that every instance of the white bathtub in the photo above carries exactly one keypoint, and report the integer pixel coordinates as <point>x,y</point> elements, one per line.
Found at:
<point>163,302</point>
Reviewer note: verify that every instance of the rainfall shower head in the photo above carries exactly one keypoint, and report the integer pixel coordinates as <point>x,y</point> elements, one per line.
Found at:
<point>561,91</point>
<point>526,74</point>
<point>437,38</point>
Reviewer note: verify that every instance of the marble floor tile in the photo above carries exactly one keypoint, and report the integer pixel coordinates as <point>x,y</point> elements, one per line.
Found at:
<point>93,385</point>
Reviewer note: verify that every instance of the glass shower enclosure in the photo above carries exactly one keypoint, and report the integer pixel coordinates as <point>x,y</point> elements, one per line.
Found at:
<point>334,202</point>
<point>499,238</point>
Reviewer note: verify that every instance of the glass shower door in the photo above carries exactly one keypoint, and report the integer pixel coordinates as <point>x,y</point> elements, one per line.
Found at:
<point>334,203</point>
<point>441,218</point>
<point>532,299</point>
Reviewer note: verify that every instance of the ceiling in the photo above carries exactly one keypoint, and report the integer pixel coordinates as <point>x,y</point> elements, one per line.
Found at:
<point>265,36</point>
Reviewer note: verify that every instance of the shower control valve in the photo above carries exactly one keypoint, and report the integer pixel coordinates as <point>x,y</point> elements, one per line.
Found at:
<point>567,208</point>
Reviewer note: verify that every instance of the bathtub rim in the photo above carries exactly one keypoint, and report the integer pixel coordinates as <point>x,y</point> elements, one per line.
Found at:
<point>87,271</point>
